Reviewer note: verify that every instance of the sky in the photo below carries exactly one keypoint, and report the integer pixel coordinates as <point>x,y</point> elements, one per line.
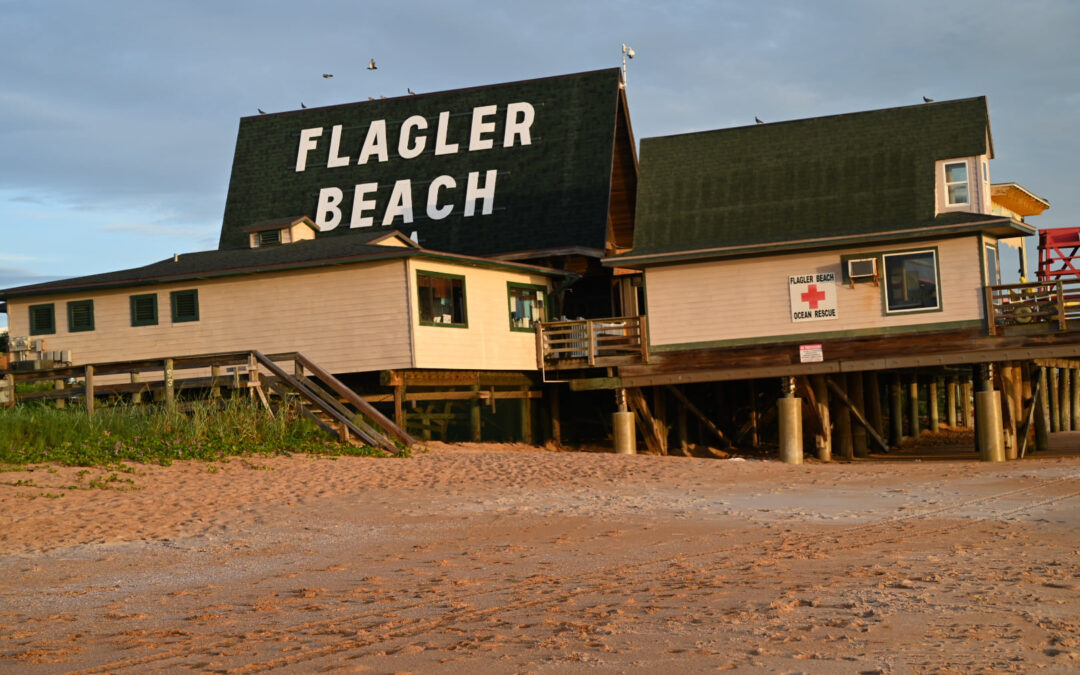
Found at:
<point>118,118</point>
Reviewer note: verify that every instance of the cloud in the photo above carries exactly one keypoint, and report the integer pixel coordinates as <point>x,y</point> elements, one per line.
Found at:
<point>11,277</point>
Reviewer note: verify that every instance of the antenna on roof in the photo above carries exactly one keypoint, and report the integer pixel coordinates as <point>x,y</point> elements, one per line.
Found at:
<point>627,53</point>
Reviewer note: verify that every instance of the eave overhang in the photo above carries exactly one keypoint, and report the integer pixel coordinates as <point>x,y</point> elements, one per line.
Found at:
<point>1000,227</point>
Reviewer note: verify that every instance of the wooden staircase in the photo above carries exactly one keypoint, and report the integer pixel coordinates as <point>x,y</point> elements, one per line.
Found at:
<point>317,394</point>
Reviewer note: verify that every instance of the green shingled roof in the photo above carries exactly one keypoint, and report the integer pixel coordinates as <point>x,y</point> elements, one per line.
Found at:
<point>855,174</point>
<point>319,252</point>
<point>553,193</point>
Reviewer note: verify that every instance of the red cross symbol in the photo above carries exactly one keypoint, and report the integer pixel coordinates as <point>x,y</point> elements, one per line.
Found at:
<point>813,296</point>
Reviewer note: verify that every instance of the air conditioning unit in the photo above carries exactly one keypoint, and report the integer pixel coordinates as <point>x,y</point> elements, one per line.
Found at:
<point>862,268</point>
<point>20,344</point>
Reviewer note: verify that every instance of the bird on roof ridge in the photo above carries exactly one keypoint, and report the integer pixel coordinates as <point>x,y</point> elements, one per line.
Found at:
<point>371,65</point>
<point>409,89</point>
<point>302,105</point>
<point>261,111</point>
<point>927,100</point>
<point>758,119</point>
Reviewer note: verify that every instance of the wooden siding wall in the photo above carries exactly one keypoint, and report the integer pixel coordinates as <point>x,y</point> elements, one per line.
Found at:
<point>748,299</point>
<point>344,318</point>
<point>487,343</point>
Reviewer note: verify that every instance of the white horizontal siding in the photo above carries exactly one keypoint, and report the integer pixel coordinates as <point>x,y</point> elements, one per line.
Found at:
<point>748,298</point>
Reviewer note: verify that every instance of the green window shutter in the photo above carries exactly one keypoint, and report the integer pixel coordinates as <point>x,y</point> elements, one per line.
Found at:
<point>80,316</point>
<point>144,310</point>
<point>42,319</point>
<point>185,305</point>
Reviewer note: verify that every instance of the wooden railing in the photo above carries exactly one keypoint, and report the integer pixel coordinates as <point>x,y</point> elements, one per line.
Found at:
<point>1053,302</point>
<point>588,343</point>
<point>322,398</point>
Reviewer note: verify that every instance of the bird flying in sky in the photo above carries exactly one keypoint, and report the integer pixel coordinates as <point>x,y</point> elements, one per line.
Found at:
<point>327,75</point>
<point>371,65</point>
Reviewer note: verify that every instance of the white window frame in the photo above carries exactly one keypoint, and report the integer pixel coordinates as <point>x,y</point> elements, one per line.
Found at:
<point>966,183</point>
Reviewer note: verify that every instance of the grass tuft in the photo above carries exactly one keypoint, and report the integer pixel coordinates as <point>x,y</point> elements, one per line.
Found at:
<point>208,430</point>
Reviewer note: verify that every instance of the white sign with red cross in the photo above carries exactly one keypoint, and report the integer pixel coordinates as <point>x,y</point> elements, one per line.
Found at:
<point>813,297</point>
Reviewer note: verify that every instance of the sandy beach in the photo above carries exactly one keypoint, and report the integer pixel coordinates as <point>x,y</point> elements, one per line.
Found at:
<point>495,558</point>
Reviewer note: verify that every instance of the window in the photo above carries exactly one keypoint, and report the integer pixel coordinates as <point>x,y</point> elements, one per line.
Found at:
<point>911,281</point>
<point>441,299</point>
<point>269,237</point>
<point>144,310</point>
<point>185,305</point>
<point>993,271</point>
<point>80,316</point>
<point>526,306</point>
<point>956,183</point>
<point>42,320</point>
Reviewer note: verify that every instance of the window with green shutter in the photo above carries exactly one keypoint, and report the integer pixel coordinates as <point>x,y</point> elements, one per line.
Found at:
<point>144,310</point>
<point>80,316</point>
<point>185,305</point>
<point>42,319</point>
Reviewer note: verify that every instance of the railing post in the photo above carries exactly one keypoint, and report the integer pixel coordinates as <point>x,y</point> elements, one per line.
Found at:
<point>991,319</point>
<point>1061,306</point>
<point>540,356</point>
<point>10,380</point>
<point>643,335</point>
<point>89,374</point>
<point>170,385</point>
<point>590,332</point>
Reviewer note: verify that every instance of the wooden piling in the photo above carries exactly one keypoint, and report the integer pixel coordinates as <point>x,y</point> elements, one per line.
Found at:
<point>822,441</point>
<point>1074,400</point>
<point>789,410</point>
<point>170,384</point>
<point>1011,409</point>
<point>552,394</point>
<point>1042,413</point>
<point>842,440</point>
<point>1066,399</point>
<point>475,430</point>
<point>896,411</point>
<point>932,410</point>
<point>58,385</point>
<point>857,395</point>
<point>965,402</point>
<point>88,373</point>
<point>913,406</point>
<point>526,417</point>
<point>950,400</point>
<point>872,393</point>
<point>1055,399</point>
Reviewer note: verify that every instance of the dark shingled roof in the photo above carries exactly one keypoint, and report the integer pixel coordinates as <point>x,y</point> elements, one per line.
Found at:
<point>551,194</point>
<point>855,174</point>
<point>210,264</point>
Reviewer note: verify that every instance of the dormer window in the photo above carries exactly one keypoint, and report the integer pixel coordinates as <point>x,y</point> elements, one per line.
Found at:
<point>956,184</point>
<point>277,232</point>
<point>269,237</point>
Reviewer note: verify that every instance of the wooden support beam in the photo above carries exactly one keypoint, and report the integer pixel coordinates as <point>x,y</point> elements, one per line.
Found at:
<point>696,412</point>
<point>1066,399</point>
<point>61,403</point>
<point>1074,399</point>
<point>88,373</point>
<point>1055,400</point>
<point>1029,418</point>
<point>823,440</point>
<point>859,416</point>
<point>913,406</point>
<point>526,418</point>
<point>872,392</point>
<point>556,417</point>
<point>755,431</point>
<point>170,384</point>
<point>1042,414</point>
<point>647,424</point>
<point>896,410</point>
<point>966,403</point>
<point>841,417</point>
<point>475,417</point>
<point>933,409</point>
<point>950,400</point>
<point>857,399</point>
<point>804,389</point>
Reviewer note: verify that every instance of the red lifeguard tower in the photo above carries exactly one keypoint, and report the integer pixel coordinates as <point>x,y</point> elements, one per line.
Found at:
<point>1059,253</point>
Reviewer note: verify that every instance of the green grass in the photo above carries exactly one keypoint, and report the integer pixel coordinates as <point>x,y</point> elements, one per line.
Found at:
<point>205,430</point>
